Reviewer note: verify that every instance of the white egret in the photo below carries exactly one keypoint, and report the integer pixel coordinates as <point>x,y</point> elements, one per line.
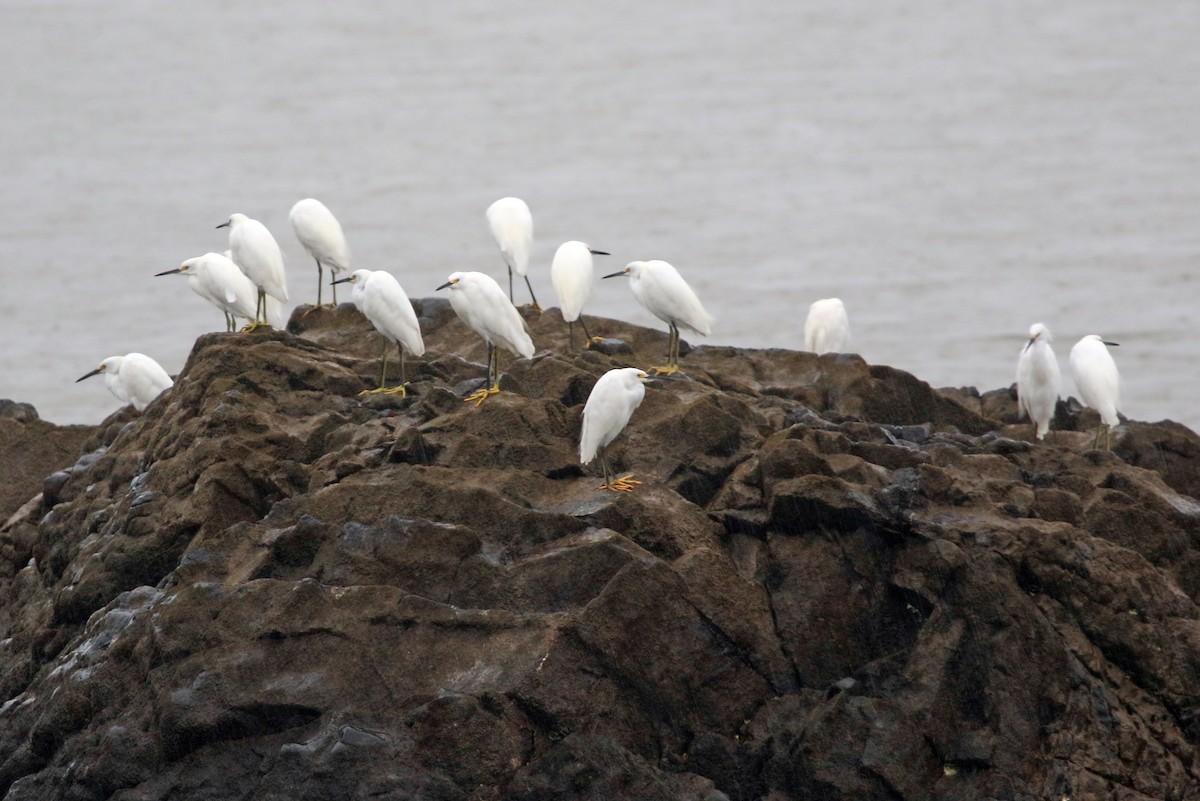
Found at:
<point>1098,382</point>
<point>512,227</point>
<point>827,328</point>
<point>321,235</point>
<point>1038,379</point>
<point>133,378</point>
<point>257,253</point>
<point>219,281</point>
<point>572,275</point>
<point>661,289</point>
<point>607,411</point>
<point>382,301</point>
<point>480,303</point>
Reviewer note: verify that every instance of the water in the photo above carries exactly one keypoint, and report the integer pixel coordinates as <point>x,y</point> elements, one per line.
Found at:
<point>954,172</point>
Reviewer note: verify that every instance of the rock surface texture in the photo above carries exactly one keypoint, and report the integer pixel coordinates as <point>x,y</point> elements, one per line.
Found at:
<point>834,583</point>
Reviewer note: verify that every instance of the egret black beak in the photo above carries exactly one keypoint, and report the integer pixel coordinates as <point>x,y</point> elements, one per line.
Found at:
<point>448,283</point>
<point>169,272</point>
<point>97,371</point>
<point>1029,344</point>
<point>614,275</point>
<point>224,224</point>
<point>342,281</point>
<point>599,252</point>
<point>1111,344</point>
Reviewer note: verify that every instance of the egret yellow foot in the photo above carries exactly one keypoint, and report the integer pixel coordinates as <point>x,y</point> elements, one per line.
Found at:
<point>254,327</point>
<point>480,395</point>
<point>670,369</point>
<point>625,483</point>
<point>399,389</point>
<point>592,341</point>
<point>535,306</point>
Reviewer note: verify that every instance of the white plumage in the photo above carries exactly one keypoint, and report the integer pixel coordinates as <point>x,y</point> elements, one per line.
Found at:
<point>321,235</point>
<point>827,328</point>
<point>511,224</point>
<point>480,303</point>
<point>381,299</point>
<point>1097,379</point>
<point>573,276</point>
<point>218,280</point>
<point>257,254</point>
<point>609,406</point>
<point>660,288</point>
<point>1038,379</point>
<point>133,378</point>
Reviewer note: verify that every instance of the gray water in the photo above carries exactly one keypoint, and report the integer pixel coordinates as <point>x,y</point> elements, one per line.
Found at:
<point>953,171</point>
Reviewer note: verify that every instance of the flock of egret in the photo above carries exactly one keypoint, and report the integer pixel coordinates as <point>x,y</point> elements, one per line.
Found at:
<point>249,282</point>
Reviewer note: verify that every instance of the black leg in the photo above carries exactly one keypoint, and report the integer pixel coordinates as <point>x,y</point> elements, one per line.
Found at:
<point>320,281</point>
<point>510,294</point>
<point>536,305</point>
<point>588,336</point>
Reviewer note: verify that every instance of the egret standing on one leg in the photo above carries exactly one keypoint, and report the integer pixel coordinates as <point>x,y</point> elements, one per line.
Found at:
<point>321,234</point>
<point>257,253</point>
<point>219,281</point>
<point>827,328</point>
<point>384,303</point>
<point>480,303</point>
<point>661,289</point>
<point>572,276</point>
<point>133,378</point>
<point>512,227</point>
<point>1038,380</point>
<point>1098,381</point>
<point>607,411</point>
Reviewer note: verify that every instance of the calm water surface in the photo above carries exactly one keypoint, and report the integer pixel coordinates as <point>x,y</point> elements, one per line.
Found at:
<point>954,172</point>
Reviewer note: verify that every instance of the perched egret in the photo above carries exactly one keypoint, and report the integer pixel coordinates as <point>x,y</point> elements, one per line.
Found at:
<point>512,227</point>
<point>382,301</point>
<point>572,276</point>
<point>827,329</point>
<point>480,303</point>
<point>607,411</point>
<point>257,253</point>
<point>1098,381</point>
<point>219,281</point>
<point>133,378</point>
<point>321,234</point>
<point>1038,379</point>
<point>661,289</point>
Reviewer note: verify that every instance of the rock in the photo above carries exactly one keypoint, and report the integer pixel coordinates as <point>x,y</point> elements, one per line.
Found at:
<point>834,582</point>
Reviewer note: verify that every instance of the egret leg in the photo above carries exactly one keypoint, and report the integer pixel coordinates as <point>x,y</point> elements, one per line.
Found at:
<point>590,339</point>
<point>260,314</point>
<point>570,335</point>
<point>332,286</point>
<point>672,367</point>
<point>320,281</point>
<point>511,299</point>
<point>625,483</point>
<point>400,389</point>
<point>535,306</point>
<point>480,395</point>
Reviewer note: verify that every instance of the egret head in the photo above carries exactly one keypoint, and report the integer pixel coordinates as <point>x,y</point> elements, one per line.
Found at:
<point>455,282</point>
<point>234,220</point>
<point>630,271</point>
<point>356,277</point>
<point>1038,332</point>
<point>1103,341</point>
<point>187,268</point>
<point>110,365</point>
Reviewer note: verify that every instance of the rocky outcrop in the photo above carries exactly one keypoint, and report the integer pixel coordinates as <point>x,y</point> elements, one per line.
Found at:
<point>835,582</point>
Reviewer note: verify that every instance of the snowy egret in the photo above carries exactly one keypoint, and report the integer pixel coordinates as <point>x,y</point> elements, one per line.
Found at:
<point>258,255</point>
<point>827,328</point>
<point>1038,379</point>
<point>321,234</point>
<point>1098,381</point>
<point>607,411</point>
<point>512,227</point>
<point>219,281</point>
<point>384,303</point>
<point>661,289</point>
<point>133,378</point>
<point>572,276</point>
<point>480,303</point>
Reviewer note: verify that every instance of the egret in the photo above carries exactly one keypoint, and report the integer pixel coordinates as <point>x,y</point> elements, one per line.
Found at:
<point>607,411</point>
<point>133,378</point>
<point>480,303</point>
<point>1098,381</point>
<point>661,289</point>
<point>384,303</point>
<point>257,253</point>
<point>572,276</point>
<point>321,234</point>
<point>1038,379</point>
<point>827,328</point>
<point>512,227</point>
<point>219,281</point>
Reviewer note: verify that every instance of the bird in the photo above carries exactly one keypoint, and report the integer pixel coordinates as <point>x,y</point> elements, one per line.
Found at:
<point>1098,381</point>
<point>512,228</point>
<point>257,253</point>
<point>827,328</point>
<point>219,281</point>
<point>609,406</point>
<point>1038,380</point>
<point>321,235</point>
<point>572,275</point>
<point>480,303</point>
<point>382,301</point>
<point>661,289</point>
<point>133,378</point>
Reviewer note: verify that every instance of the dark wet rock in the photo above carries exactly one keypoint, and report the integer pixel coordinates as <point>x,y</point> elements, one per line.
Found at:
<point>834,582</point>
